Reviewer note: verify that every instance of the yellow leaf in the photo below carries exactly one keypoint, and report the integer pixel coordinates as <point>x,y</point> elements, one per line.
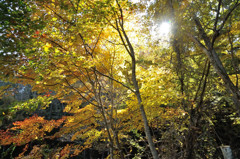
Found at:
<point>54,19</point>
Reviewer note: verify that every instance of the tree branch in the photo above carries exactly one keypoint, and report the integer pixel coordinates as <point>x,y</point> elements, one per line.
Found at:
<point>217,16</point>
<point>115,80</point>
<point>217,31</point>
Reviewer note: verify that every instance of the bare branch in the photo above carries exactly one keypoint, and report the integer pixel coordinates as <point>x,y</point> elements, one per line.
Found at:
<point>204,85</point>
<point>121,12</point>
<point>123,41</point>
<point>217,31</point>
<point>196,41</point>
<point>54,42</point>
<point>115,81</point>
<point>200,81</point>
<point>58,15</point>
<point>96,41</point>
<point>217,16</point>
<point>84,44</point>
<point>228,15</point>
<point>80,93</point>
<point>202,33</point>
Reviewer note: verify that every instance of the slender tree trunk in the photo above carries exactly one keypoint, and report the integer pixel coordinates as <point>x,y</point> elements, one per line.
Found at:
<point>119,26</point>
<point>97,91</point>
<point>118,144</point>
<point>138,95</point>
<point>143,114</point>
<point>111,147</point>
<point>112,123</point>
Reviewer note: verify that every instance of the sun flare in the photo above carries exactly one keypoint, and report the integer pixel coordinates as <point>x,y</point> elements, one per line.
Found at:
<point>164,29</point>
<point>161,32</point>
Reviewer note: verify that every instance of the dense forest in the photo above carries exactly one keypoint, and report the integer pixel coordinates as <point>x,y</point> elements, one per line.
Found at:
<point>120,79</point>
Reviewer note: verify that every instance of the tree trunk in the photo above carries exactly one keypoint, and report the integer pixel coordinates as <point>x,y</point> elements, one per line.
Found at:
<point>129,48</point>
<point>143,114</point>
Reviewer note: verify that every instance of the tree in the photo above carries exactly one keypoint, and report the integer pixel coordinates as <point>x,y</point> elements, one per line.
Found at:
<point>16,30</point>
<point>209,49</point>
<point>100,58</point>
<point>65,74</point>
<point>204,23</point>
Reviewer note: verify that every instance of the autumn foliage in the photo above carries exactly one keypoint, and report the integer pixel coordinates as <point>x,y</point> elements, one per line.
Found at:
<point>127,90</point>
<point>33,128</point>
